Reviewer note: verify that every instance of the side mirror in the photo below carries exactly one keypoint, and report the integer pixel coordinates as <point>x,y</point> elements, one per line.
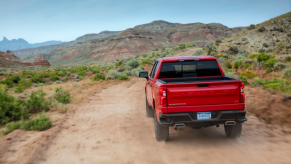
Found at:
<point>144,74</point>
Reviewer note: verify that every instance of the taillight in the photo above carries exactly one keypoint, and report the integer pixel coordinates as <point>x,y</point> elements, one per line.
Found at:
<point>242,95</point>
<point>163,95</point>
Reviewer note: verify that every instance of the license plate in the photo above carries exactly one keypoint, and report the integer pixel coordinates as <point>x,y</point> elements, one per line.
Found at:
<point>204,115</point>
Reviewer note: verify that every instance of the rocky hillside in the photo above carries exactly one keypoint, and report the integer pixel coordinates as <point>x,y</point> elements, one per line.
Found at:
<point>17,44</point>
<point>102,34</point>
<point>272,36</point>
<point>134,41</point>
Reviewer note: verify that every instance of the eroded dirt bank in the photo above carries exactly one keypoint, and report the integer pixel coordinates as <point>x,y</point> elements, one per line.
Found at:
<point>111,127</point>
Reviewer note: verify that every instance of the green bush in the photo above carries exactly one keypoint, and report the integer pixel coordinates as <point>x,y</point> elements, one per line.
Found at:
<point>262,57</point>
<point>98,77</point>
<point>121,69</point>
<point>288,58</point>
<point>210,48</point>
<point>11,109</point>
<point>228,65</point>
<point>182,46</point>
<point>128,68</point>
<point>36,102</point>
<point>37,78</point>
<point>252,56</point>
<point>270,62</point>
<point>62,96</point>
<point>287,73</point>
<point>123,77</point>
<point>19,89</point>
<point>269,70</point>
<point>244,79</point>
<point>112,74</point>
<point>277,84</point>
<point>233,49</point>
<point>199,53</point>
<point>133,63</point>
<point>261,29</point>
<point>39,124</point>
<point>119,63</point>
<point>252,26</point>
<point>3,88</point>
<point>257,81</point>
<point>128,73</point>
<point>237,64</point>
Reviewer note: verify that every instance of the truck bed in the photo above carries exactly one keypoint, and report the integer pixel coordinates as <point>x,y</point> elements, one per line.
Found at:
<point>197,79</point>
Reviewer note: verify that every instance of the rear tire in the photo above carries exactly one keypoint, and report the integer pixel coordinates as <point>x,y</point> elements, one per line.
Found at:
<point>161,132</point>
<point>233,131</point>
<point>149,110</point>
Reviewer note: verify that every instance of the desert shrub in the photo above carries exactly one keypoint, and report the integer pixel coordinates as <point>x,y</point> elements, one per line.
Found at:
<point>288,58</point>
<point>189,45</point>
<point>37,102</point>
<point>112,74</point>
<point>287,73</point>
<point>218,56</point>
<point>262,57</point>
<point>277,84</point>
<point>252,26</point>
<point>77,76</point>
<point>54,77</point>
<point>269,70</point>
<point>133,63</point>
<point>212,53</point>
<point>199,53</point>
<point>230,74</point>
<point>98,77</point>
<point>19,89</point>
<point>11,109</point>
<point>62,96</point>
<point>233,49</point>
<point>218,40</point>
<point>248,61</point>
<point>262,50</point>
<point>265,45</point>
<point>228,65</point>
<point>209,47</point>
<point>252,56</point>
<point>10,81</point>
<point>257,81</point>
<point>123,77</point>
<point>25,83</point>
<point>244,53</point>
<point>37,78</point>
<point>237,64</point>
<point>279,66</point>
<point>3,88</point>
<point>262,29</point>
<point>119,63</point>
<point>128,68</point>
<point>244,79</point>
<point>60,107</point>
<point>39,124</point>
<point>270,62</point>
<point>249,74</point>
<point>182,46</point>
<point>225,56</point>
<point>128,73</point>
<point>121,69</point>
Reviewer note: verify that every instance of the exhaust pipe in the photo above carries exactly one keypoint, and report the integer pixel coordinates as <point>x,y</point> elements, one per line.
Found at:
<point>176,126</point>
<point>230,123</point>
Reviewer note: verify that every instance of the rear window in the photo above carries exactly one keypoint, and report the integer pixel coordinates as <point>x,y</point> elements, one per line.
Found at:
<point>189,69</point>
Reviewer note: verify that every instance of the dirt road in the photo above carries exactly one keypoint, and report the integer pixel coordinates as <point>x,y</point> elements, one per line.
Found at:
<point>111,127</point>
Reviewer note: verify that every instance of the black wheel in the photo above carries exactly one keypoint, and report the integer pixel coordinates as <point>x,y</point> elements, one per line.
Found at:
<point>233,131</point>
<point>162,132</point>
<point>149,110</point>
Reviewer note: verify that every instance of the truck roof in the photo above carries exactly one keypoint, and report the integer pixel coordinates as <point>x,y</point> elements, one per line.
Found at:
<point>179,58</point>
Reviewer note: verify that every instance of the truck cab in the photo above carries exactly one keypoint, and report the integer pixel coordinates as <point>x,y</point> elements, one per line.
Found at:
<point>193,91</point>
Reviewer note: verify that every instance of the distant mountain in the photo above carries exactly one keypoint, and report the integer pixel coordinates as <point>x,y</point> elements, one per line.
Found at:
<point>17,44</point>
<point>158,24</point>
<point>46,49</point>
<point>102,34</point>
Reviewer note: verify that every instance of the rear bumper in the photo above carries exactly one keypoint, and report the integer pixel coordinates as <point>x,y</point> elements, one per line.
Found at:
<point>190,118</point>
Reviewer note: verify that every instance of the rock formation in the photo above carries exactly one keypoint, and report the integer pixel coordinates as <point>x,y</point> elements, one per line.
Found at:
<point>9,56</point>
<point>38,61</point>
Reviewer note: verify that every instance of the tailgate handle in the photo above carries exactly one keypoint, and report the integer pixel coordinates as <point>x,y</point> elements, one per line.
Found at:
<point>202,85</point>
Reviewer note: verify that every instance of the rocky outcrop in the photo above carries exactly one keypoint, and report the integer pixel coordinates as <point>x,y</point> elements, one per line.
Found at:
<point>38,61</point>
<point>9,56</point>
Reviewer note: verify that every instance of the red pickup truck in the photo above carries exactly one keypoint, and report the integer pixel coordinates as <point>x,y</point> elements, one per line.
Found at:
<point>193,91</point>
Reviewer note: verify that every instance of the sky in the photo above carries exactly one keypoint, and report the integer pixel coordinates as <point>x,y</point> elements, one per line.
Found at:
<point>43,20</point>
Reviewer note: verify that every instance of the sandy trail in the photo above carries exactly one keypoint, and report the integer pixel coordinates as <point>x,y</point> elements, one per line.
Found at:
<point>112,128</point>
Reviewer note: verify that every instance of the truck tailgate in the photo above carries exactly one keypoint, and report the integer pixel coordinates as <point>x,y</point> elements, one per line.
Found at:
<point>203,94</point>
